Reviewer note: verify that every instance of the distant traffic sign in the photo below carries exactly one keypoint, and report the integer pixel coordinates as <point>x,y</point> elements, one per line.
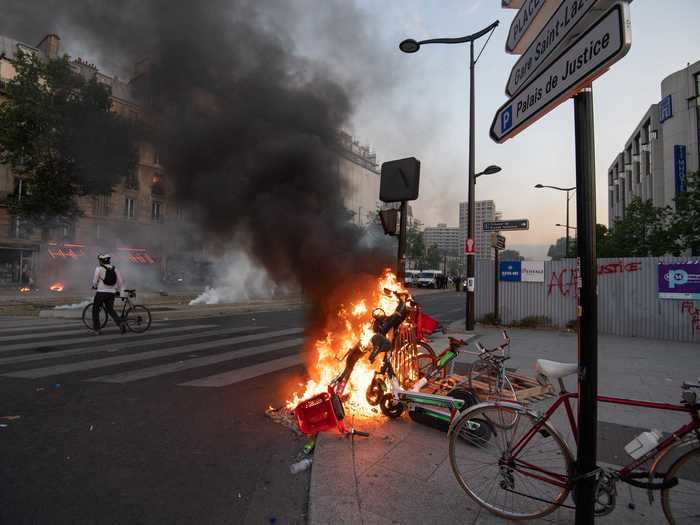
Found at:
<point>576,67</point>
<point>569,14</point>
<point>516,224</point>
<point>469,247</point>
<point>530,18</point>
<point>498,241</point>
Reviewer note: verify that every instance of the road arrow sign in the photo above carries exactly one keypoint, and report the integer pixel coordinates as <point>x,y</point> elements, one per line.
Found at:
<point>570,14</point>
<point>527,23</point>
<point>606,42</point>
<point>515,224</point>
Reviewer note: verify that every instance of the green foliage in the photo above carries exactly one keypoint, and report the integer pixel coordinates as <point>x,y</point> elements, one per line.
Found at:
<point>686,219</point>
<point>490,318</point>
<point>557,250</point>
<point>510,255</point>
<point>533,321</point>
<point>58,132</point>
<point>433,258</point>
<point>643,231</point>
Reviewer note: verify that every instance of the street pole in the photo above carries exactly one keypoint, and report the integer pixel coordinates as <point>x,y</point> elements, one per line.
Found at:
<point>566,255</point>
<point>401,262</point>
<point>588,313</point>
<point>495,287</point>
<point>471,186</point>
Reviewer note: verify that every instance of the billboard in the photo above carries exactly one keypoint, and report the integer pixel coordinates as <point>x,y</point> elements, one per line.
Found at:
<point>665,108</point>
<point>509,271</point>
<point>532,271</point>
<point>679,280</point>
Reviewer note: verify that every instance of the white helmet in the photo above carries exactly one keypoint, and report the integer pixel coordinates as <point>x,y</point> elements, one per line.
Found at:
<point>104,258</point>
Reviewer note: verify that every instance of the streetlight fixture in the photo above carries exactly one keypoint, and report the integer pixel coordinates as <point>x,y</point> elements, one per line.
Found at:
<point>411,46</point>
<point>565,226</point>
<point>488,171</point>
<point>567,190</point>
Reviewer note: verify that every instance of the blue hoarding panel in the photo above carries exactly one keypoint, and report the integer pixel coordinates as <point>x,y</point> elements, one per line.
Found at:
<point>679,167</point>
<point>510,271</point>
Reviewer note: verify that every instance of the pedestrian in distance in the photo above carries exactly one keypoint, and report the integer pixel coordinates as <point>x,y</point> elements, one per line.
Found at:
<point>108,282</point>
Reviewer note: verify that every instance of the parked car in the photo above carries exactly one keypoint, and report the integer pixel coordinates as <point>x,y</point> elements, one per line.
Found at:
<point>411,278</point>
<point>428,278</point>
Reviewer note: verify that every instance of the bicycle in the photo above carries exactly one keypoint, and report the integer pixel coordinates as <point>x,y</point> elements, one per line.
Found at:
<point>136,316</point>
<point>527,470</point>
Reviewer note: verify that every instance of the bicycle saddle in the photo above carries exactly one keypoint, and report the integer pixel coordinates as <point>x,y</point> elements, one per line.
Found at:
<point>555,369</point>
<point>456,342</point>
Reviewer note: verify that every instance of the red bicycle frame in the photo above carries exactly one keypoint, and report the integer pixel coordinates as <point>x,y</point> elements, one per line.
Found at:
<point>565,398</point>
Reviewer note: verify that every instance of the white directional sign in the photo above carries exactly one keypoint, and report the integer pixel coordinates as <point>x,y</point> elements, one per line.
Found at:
<point>603,44</point>
<point>569,15</point>
<point>527,23</point>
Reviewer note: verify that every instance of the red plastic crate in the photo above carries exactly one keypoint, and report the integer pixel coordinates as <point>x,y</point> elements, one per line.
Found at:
<point>316,414</point>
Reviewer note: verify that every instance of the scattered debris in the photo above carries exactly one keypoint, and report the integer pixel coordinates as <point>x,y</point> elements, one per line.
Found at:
<point>91,427</point>
<point>10,418</point>
<point>310,445</point>
<point>39,389</point>
<point>284,417</point>
<point>3,425</point>
<point>300,466</point>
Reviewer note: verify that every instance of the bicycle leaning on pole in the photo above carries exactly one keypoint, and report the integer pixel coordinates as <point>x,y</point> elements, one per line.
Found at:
<point>526,470</point>
<point>136,316</point>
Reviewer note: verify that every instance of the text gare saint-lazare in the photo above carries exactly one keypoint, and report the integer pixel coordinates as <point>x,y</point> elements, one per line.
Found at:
<point>572,66</point>
<point>543,45</point>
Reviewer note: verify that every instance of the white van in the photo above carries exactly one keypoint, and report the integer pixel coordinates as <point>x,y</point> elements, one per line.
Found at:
<point>411,278</point>
<point>428,278</point>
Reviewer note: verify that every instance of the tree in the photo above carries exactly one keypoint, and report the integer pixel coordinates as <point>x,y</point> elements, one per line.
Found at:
<point>58,132</point>
<point>415,246</point>
<point>433,258</point>
<point>557,250</point>
<point>645,230</point>
<point>686,219</point>
<point>510,255</point>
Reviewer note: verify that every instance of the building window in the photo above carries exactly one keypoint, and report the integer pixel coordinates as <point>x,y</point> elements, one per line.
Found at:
<point>129,208</point>
<point>617,193</point>
<point>156,211</point>
<point>101,205</point>
<point>610,178</point>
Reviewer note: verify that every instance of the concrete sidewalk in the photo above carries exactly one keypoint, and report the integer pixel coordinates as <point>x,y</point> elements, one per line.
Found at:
<point>402,473</point>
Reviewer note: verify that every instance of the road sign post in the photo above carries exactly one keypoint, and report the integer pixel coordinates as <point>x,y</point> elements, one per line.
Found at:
<point>588,57</point>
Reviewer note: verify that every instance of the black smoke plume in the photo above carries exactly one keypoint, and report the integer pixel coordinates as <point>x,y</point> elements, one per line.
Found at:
<point>246,126</point>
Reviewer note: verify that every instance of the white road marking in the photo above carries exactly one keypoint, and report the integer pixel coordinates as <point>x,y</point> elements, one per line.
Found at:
<point>125,344</point>
<point>144,373</point>
<point>249,372</point>
<point>95,340</point>
<point>47,371</point>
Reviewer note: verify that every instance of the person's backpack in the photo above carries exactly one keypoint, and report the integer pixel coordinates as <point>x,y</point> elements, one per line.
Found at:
<point>110,278</point>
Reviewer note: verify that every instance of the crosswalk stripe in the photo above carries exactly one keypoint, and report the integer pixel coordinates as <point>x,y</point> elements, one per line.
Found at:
<point>249,372</point>
<point>41,328</point>
<point>47,371</point>
<point>98,340</point>
<point>84,350</point>
<point>31,323</point>
<point>71,330</point>
<point>144,373</point>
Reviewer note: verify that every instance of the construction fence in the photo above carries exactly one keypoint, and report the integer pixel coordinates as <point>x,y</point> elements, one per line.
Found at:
<point>628,298</point>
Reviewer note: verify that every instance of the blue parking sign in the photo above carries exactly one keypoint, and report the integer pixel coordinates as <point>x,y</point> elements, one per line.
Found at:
<point>510,271</point>
<point>507,119</point>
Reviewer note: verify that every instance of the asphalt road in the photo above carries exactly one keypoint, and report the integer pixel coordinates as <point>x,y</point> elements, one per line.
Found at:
<point>162,427</point>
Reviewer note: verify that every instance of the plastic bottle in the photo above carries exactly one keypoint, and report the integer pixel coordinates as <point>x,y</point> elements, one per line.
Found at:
<point>300,466</point>
<point>643,443</point>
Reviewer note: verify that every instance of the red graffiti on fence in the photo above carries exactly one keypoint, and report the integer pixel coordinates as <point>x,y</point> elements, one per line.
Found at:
<point>693,313</point>
<point>565,280</point>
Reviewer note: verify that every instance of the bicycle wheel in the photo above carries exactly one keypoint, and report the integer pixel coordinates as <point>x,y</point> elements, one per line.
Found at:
<point>138,318</point>
<point>681,503</point>
<point>483,378</point>
<point>530,484</point>
<point>87,317</point>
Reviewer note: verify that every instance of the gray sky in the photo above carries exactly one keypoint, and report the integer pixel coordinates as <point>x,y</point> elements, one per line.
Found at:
<point>419,107</point>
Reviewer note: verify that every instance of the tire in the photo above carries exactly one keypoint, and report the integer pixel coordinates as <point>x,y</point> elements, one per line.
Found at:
<point>87,317</point>
<point>482,464</point>
<point>389,409</point>
<point>138,318</point>
<point>469,397</point>
<point>681,503</point>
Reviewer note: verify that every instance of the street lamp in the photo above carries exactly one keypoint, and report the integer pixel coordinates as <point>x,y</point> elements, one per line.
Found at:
<point>412,46</point>
<point>567,190</point>
<point>565,226</point>
<point>488,171</point>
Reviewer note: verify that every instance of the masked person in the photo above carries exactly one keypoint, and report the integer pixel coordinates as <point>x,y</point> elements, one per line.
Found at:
<point>108,283</point>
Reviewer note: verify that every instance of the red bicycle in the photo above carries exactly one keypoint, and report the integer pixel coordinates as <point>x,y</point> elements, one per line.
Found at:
<point>524,469</point>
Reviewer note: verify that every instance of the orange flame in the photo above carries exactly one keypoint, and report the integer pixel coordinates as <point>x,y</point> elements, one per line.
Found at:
<point>57,286</point>
<point>355,324</point>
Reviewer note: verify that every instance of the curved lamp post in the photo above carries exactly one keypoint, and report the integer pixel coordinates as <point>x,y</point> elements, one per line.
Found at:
<point>567,190</point>
<point>411,46</point>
